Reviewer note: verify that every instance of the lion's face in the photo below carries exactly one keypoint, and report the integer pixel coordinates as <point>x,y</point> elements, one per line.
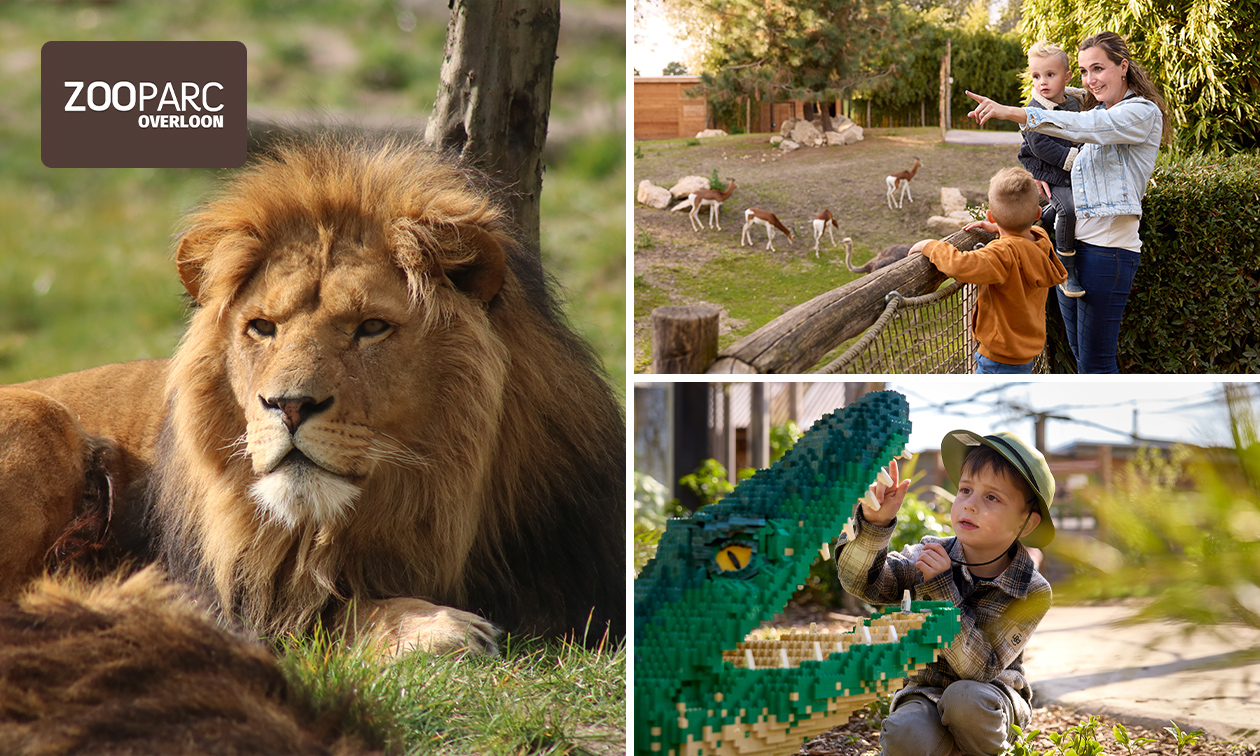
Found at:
<point>336,367</point>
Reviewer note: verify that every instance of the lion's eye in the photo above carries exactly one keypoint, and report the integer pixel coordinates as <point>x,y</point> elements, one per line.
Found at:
<point>735,556</point>
<point>264,328</point>
<point>369,328</point>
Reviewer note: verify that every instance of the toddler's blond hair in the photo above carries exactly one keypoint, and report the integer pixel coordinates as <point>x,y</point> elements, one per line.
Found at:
<point>1044,49</point>
<point>1013,199</point>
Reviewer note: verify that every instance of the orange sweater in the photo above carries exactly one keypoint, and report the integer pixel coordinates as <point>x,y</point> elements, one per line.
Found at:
<point>1014,276</point>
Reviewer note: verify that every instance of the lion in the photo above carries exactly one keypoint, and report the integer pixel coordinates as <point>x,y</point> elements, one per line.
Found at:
<point>165,678</point>
<point>377,421</point>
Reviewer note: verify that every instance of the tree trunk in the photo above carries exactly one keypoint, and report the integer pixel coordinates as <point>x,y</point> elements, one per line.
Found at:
<point>495,96</point>
<point>824,111</point>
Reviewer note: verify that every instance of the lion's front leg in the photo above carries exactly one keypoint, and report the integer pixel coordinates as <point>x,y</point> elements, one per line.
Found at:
<point>399,625</point>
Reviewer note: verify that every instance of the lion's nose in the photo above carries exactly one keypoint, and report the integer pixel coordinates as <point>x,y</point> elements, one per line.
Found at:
<point>295,410</point>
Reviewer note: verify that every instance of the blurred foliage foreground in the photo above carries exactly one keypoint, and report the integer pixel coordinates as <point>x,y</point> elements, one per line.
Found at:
<point>1195,550</point>
<point>1181,528</point>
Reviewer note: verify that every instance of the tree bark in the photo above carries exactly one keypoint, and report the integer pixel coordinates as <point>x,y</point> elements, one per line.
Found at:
<point>495,96</point>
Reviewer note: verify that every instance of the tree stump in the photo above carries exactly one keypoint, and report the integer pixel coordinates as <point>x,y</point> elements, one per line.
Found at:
<point>684,339</point>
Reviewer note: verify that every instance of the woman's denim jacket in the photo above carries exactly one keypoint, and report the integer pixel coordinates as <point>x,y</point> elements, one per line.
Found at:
<point>1110,174</point>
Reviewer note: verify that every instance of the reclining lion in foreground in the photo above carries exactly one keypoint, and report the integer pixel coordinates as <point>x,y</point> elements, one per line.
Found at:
<point>377,420</point>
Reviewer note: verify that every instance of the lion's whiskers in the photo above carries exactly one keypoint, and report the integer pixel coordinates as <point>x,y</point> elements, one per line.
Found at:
<point>239,447</point>
<point>385,448</point>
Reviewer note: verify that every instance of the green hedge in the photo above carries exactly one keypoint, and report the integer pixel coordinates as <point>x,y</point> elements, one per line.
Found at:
<point>1195,304</point>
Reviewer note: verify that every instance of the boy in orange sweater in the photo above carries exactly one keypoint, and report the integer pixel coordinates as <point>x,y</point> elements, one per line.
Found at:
<point>1015,272</point>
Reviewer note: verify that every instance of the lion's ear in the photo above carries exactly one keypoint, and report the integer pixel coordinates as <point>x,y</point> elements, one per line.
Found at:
<point>190,260</point>
<point>483,275</point>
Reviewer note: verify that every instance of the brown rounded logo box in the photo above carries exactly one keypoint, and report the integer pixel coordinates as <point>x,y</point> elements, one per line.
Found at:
<point>143,105</point>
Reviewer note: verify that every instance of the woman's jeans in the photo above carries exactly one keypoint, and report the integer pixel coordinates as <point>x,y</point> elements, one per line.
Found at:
<point>1093,321</point>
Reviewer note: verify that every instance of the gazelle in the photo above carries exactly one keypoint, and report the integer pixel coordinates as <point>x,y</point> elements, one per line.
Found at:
<point>824,221</point>
<point>901,179</point>
<point>754,216</point>
<point>714,199</point>
<point>890,255</point>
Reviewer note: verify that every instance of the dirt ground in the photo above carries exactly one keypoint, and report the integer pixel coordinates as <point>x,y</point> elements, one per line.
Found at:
<point>795,186</point>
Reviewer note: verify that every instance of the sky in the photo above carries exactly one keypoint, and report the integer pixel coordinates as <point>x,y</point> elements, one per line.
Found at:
<point>1191,411</point>
<point>654,42</point>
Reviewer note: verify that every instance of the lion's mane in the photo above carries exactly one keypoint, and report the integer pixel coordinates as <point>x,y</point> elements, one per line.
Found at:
<point>514,503</point>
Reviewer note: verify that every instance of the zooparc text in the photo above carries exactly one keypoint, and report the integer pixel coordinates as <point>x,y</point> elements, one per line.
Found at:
<point>125,96</point>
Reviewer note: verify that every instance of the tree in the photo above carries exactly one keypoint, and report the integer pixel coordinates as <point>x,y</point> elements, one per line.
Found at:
<point>812,50</point>
<point>495,96</point>
<point>674,68</point>
<point>1204,54</point>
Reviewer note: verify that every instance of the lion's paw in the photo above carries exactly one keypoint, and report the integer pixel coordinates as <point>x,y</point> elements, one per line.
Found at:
<point>402,625</point>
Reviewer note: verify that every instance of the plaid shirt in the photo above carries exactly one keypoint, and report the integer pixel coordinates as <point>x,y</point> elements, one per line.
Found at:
<point>998,614</point>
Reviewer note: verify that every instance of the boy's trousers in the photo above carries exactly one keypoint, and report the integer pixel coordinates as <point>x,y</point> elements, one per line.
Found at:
<point>974,716</point>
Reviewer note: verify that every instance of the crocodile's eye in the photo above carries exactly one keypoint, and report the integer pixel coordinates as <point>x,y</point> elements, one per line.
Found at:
<point>735,556</point>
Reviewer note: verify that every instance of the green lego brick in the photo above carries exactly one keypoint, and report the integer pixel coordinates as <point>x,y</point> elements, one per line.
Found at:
<point>690,606</point>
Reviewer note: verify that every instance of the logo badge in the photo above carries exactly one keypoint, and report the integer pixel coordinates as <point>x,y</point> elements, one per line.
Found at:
<point>143,105</point>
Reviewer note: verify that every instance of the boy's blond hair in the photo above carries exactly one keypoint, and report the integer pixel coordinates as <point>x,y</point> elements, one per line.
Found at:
<point>1044,49</point>
<point>1013,199</point>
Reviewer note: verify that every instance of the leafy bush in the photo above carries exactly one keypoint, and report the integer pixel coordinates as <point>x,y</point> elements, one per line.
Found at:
<point>1195,305</point>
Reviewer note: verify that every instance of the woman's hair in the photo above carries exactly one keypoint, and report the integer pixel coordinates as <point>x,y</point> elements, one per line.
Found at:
<point>1117,50</point>
<point>1044,49</point>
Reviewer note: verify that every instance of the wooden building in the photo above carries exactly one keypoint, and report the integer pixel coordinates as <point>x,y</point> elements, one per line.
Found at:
<point>662,109</point>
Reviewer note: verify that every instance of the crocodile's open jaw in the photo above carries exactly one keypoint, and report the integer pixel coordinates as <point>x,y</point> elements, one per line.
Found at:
<point>720,573</point>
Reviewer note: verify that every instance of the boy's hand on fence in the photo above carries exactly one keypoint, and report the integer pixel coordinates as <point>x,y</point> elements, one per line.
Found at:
<point>932,560</point>
<point>883,499</point>
<point>917,249</point>
<point>986,225</point>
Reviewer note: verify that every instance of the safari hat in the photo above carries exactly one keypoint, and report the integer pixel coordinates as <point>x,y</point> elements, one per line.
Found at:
<point>1026,460</point>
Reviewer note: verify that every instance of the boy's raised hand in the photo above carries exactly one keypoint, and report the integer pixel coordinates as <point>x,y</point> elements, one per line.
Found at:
<point>884,497</point>
<point>984,224</point>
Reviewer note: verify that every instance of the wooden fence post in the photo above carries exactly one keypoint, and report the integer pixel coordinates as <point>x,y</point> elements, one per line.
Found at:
<point>684,339</point>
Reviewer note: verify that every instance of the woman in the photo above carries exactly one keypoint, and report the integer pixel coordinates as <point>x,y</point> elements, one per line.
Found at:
<point>1122,136</point>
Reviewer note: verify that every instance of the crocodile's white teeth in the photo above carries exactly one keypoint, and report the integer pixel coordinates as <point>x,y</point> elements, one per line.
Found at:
<point>905,454</point>
<point>871,501</point>
<point>825,552</point>
<point>884,477</point>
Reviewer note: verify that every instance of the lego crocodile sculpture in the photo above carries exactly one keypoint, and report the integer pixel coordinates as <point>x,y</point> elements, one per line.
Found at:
<point>701,686</point>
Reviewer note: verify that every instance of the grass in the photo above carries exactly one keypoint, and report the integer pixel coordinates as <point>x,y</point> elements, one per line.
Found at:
<point>537,698</point>
<point>752,285</point>
<point>85,271</point>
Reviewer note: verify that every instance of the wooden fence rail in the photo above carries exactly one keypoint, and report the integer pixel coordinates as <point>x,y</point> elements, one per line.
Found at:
<point>797,340</point>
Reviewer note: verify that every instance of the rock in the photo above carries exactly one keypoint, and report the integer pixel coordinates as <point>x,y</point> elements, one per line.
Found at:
<point>961,215</point>
<point>952,200</point>
<point>852,134</point>
<point>787,145</point>
<point>653,196</point>
<point>840,123</point>
<point>774,140</point>
<point>942,226</point>
<point>710,133</point>
<point>785,129</point>
<point>834,138</point>
<point>806,134</point>
<point>688,184</point>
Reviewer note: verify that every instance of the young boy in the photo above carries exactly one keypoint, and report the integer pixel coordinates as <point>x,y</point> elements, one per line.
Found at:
<point>966,700</point>
<point>1050,159</point>
<point>1015,273</point>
